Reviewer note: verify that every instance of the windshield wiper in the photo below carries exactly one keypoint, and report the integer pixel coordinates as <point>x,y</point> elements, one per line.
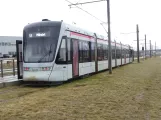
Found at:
<point>48,53</point>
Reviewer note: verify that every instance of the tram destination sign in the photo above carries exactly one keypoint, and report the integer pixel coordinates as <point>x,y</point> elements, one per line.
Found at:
<point>39,34</point>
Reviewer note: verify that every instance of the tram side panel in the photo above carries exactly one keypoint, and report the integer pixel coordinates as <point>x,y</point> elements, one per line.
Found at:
<point>85,66</point>
<point>86,52</point>
<point>118,54</point>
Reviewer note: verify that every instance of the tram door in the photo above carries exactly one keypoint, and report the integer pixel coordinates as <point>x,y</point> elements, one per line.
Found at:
<point>75,59</point>
<point>19,59</point>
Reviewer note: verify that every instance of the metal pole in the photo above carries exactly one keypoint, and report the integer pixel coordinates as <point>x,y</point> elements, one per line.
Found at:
<point>96,58</point>
<point>2,68</point>
<point>145,46</point>
<point>137,32</point>
<point>13,67</point>
<point>150,48</point>
<point>109,37</point>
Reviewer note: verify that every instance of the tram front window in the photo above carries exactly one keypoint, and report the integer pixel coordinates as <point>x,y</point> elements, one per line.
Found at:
<point>40,46</point>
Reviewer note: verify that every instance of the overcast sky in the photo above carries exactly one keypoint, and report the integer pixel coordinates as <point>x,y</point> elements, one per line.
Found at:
<point>125,14</point>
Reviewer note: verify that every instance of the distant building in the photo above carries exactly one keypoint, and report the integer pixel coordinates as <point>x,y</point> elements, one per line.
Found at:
<point>8,44</point>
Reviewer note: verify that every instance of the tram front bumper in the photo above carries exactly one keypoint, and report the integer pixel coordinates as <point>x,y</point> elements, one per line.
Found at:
<point>36,76</point>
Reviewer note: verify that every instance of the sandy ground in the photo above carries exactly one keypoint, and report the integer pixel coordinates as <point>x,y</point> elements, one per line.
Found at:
<point>132,92</point>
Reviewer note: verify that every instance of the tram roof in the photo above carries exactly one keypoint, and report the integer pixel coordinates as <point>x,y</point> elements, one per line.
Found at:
<point>67,27</point>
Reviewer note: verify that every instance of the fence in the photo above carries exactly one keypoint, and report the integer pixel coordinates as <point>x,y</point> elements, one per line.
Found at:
<point>8,66</point>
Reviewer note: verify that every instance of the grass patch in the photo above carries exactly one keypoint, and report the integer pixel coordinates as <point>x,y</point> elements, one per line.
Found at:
<point>131,92</point>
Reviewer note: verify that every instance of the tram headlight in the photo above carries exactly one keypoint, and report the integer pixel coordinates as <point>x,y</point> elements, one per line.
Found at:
<point>26,68</point>
<point>46,68</point>
<point>37,69</point>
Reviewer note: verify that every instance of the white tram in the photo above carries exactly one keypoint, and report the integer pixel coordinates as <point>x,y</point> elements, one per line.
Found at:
<point>56,51</point>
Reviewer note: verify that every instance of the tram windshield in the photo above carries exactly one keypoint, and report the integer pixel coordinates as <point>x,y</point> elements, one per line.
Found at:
<point>40,44</point>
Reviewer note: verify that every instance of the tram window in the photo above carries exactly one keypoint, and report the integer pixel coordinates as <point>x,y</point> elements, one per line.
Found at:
<point>62,52</point>
<point>80,52</point>
<point>105,52</point>
<point>69,49</point>
<point>84,53</point>
<point>123,53</point>
<point>92,51</point>
<point>130,53</point>
<point>85,46</point>
<point>127,52</point>
<point>118,52</point>
<point>100,52</point>
<point>113,52</point>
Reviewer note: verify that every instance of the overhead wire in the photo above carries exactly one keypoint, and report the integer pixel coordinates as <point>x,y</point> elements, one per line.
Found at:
<point>86,12</point>
<point>86,2</point>
<point>93,15</point>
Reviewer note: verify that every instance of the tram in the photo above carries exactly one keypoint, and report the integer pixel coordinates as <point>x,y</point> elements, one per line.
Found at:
<point>56,51</point>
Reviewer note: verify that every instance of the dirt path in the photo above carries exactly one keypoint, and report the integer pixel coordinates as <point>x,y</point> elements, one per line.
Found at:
<point>132,92</point>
